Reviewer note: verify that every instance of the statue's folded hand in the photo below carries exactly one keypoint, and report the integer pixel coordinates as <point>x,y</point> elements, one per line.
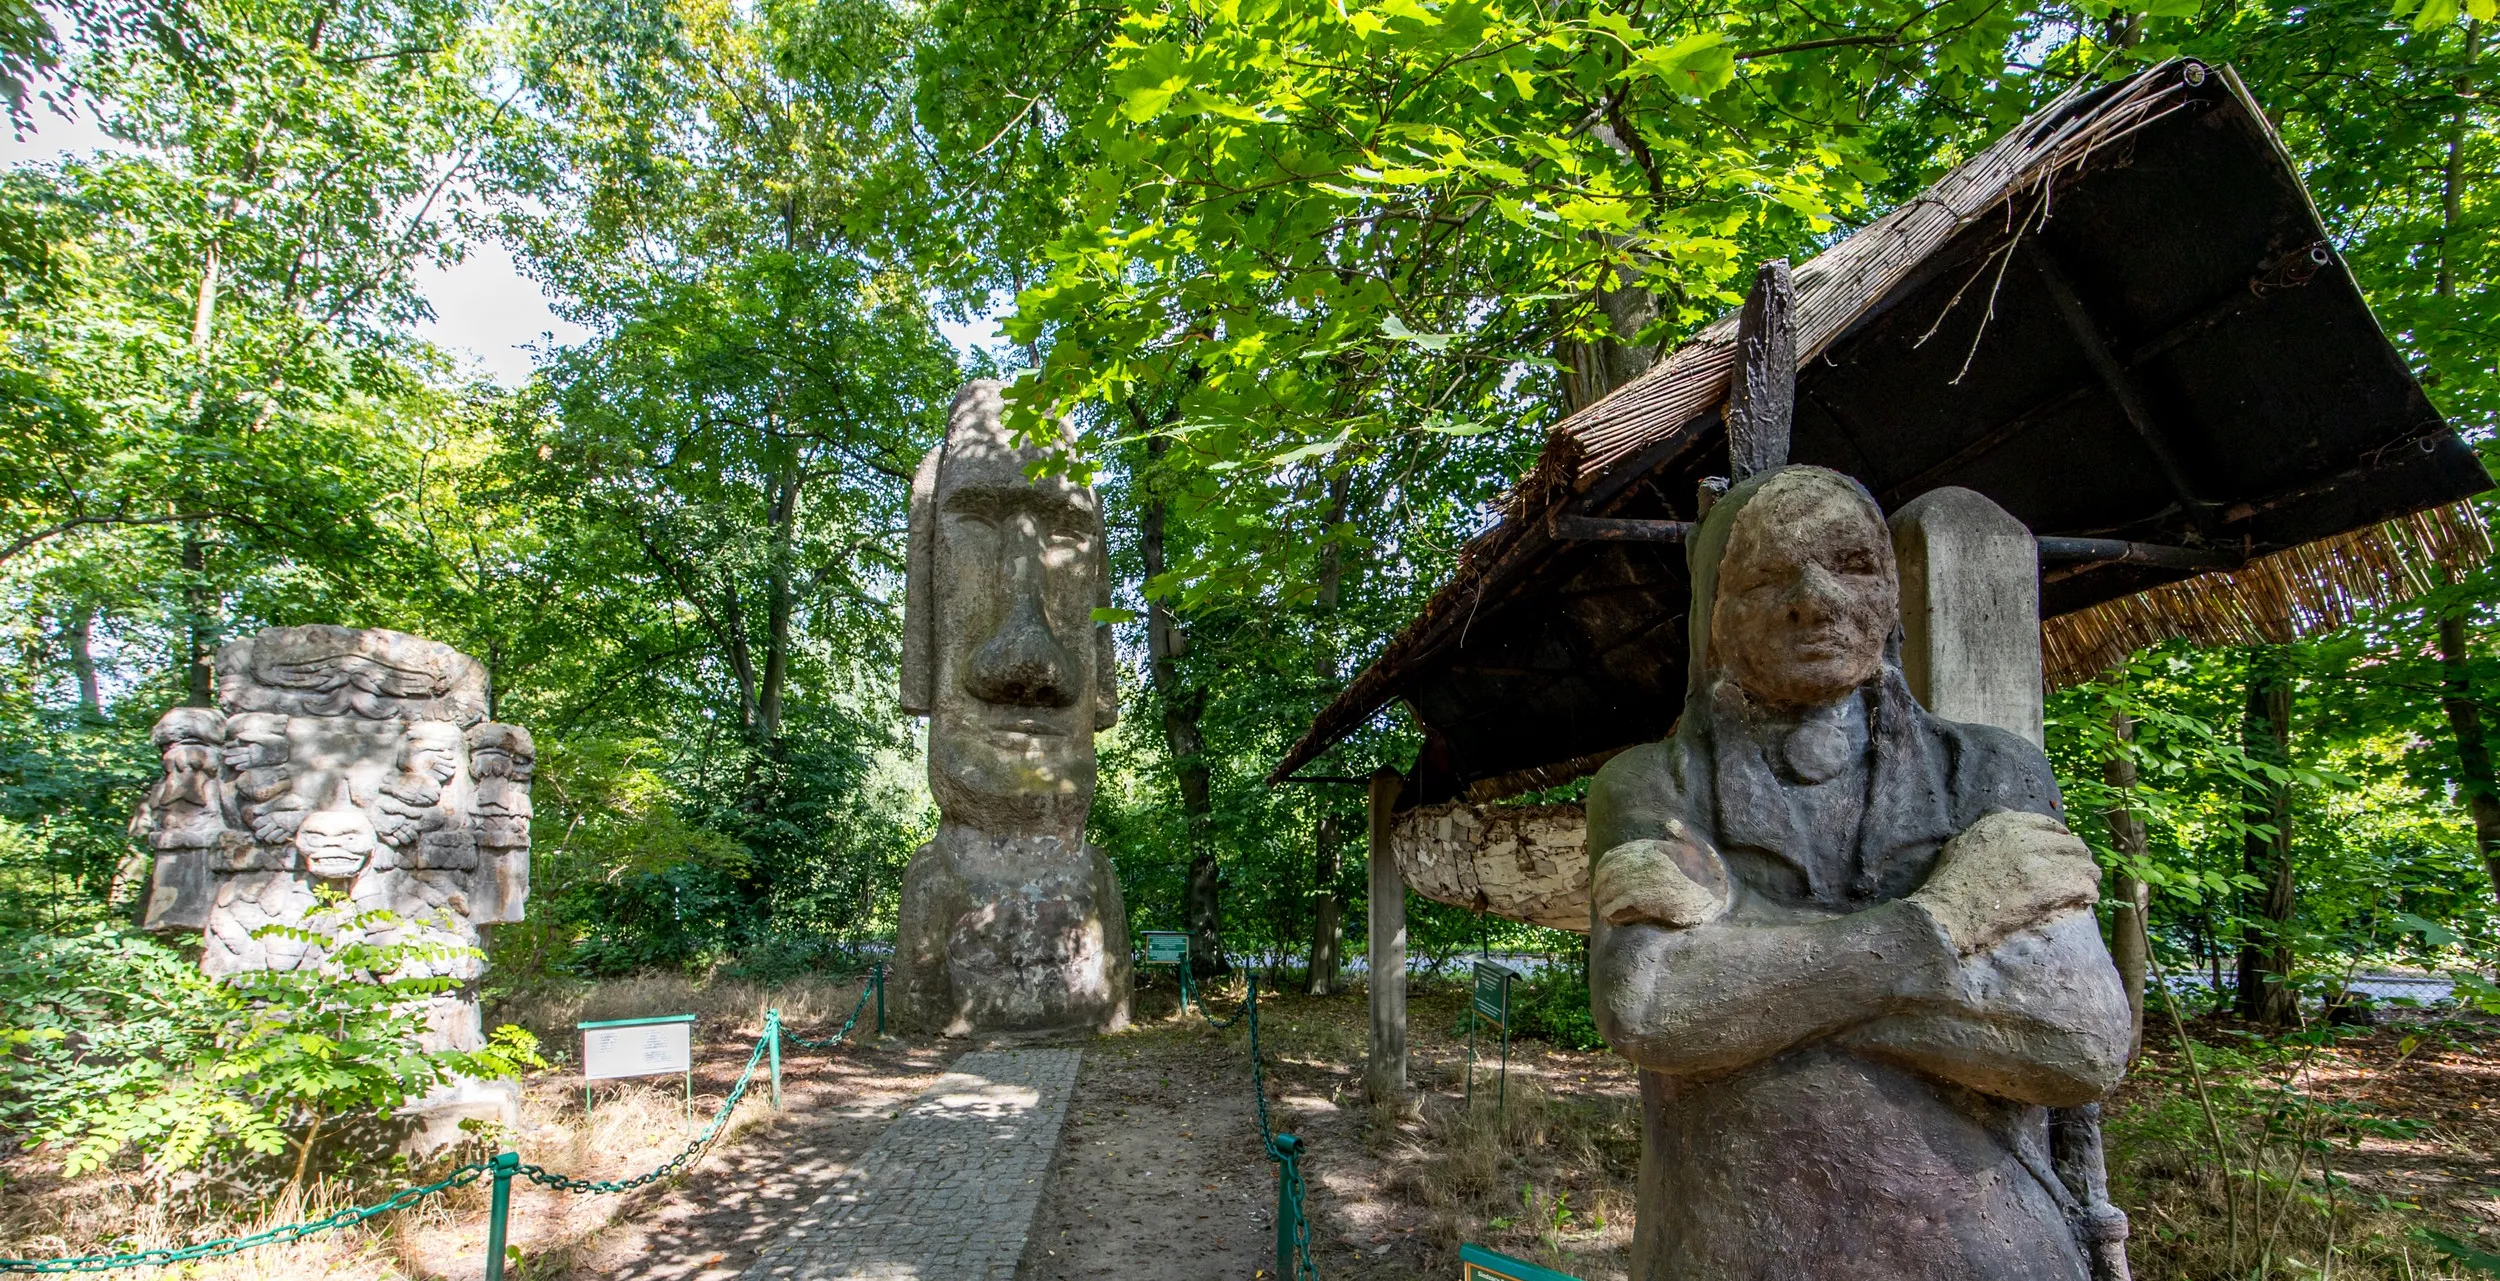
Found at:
<point>1676,882</point>
<point>2006,873</point>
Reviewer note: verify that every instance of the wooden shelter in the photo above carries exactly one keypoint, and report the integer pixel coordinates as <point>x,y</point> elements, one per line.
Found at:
<point>2123,322</point>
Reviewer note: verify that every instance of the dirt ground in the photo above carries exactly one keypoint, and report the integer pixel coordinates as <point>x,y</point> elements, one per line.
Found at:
<point>1160,1170</point>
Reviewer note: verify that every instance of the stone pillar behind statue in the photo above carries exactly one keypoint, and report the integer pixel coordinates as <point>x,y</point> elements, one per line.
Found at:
<point>1970,610</point>
<point>1970,617</point>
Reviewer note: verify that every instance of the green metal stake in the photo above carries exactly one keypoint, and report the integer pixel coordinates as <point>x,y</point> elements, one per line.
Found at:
<point>1471,1055</point>
<point>502,1168</point>
<point>1501,1097</point>
<point>772,1033</point>
<point>1289,1157</point>
<point>880,998</point>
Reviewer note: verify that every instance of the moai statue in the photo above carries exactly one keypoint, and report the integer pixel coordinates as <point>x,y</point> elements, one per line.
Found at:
<point>1848,943</point>
<point>357,760</point>
<point>1010,922</point>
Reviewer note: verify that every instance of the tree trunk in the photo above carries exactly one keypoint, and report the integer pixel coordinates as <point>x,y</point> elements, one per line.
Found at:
<point>1328,919</point>
<point>2452,176</point>
<point>200,624</point>
<point>2465,719</point>
<point>783,515</point>
<point>1183,705</point>
<point>2456,687</point>
<point>2265,993</point>
<point>1328,897</point>
<point>741,659</point>
<point>80,634</point>
<point>2130,946</point>
<point>1592,369</point>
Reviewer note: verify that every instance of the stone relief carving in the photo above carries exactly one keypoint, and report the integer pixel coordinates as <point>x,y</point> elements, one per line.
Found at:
<point>1848,943</point>
<point>1009,921</point>
<point>361,760</point>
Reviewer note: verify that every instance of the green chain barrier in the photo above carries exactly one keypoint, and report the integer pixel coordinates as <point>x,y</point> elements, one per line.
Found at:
<point>1189,996</point>
<point>1293,1222</point>
<point>460,1178</point>
<point>546,1178</point>
<point>502,1169</point>
<point>876,986</point>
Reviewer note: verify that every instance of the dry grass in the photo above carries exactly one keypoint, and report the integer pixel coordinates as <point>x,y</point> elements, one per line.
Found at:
<point>1546,1176</point>
<point>812,1005</point>
<point>1543,1178</point>
<point>2358,1143</point>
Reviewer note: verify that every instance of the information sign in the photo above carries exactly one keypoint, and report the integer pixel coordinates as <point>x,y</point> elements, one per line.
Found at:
<point>615,1048</point>
<point>637,1047</point>
<point>1493,992</point>
<point>1491,1003</point>
<point>1479,1264</point>
<point>1166,947</point>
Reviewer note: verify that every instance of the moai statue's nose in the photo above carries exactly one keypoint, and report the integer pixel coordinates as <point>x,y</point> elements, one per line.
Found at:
<point>1022,664</point>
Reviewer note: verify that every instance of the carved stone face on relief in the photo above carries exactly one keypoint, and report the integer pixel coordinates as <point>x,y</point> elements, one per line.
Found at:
<point>336,840</point>
<point>1002,650</point>
<point>1807,590</point>
<point>184,806</point>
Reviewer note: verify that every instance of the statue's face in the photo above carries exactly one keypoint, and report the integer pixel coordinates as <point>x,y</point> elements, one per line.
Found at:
<point>336,843</point>
<point>1017,565</point>
<point>1807,592</point>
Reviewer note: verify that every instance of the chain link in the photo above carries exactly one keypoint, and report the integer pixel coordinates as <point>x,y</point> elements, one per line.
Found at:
<point>1287,1153</point>
<point>1189,996</point>
<point>866,990</point>
<point>460,1178</point>
<point>687,1155</point>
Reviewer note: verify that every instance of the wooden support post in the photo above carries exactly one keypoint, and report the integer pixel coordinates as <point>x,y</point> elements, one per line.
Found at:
<point>1384,1080</point>
<point>1762,388</point>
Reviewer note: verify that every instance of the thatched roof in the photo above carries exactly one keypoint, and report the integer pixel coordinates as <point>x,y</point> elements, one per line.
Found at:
<point>2123,320</point>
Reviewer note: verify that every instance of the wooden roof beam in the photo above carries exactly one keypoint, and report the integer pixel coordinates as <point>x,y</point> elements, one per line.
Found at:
<point>2121,385</point>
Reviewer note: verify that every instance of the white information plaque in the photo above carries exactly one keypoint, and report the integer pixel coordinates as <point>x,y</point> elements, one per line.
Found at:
<point>637,1047</point>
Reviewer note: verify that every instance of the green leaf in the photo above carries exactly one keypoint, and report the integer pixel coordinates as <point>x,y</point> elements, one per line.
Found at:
<point>1395,329</point>
<point>2432,932</point>
<point>2480,1260</point>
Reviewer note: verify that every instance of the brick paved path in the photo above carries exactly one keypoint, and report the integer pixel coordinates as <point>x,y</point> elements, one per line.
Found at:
<point>947,1193</point>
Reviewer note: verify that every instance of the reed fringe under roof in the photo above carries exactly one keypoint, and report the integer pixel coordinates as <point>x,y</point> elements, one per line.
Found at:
<point>2302,591</point>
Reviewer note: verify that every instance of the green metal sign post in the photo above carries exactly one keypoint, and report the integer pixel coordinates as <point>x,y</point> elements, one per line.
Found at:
<point>1491,1002</point>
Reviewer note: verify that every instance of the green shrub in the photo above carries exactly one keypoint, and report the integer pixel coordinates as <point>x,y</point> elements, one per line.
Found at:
<point>1554,1007</point>
<point>115,1041</point>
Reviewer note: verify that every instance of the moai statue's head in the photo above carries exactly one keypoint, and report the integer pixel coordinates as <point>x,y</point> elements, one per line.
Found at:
<point>336,840</point>
<point>1806,592</point>
<point>1000,648</point>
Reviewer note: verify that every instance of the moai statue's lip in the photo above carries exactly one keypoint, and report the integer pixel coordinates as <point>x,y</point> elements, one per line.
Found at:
<point>1030,727</point>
